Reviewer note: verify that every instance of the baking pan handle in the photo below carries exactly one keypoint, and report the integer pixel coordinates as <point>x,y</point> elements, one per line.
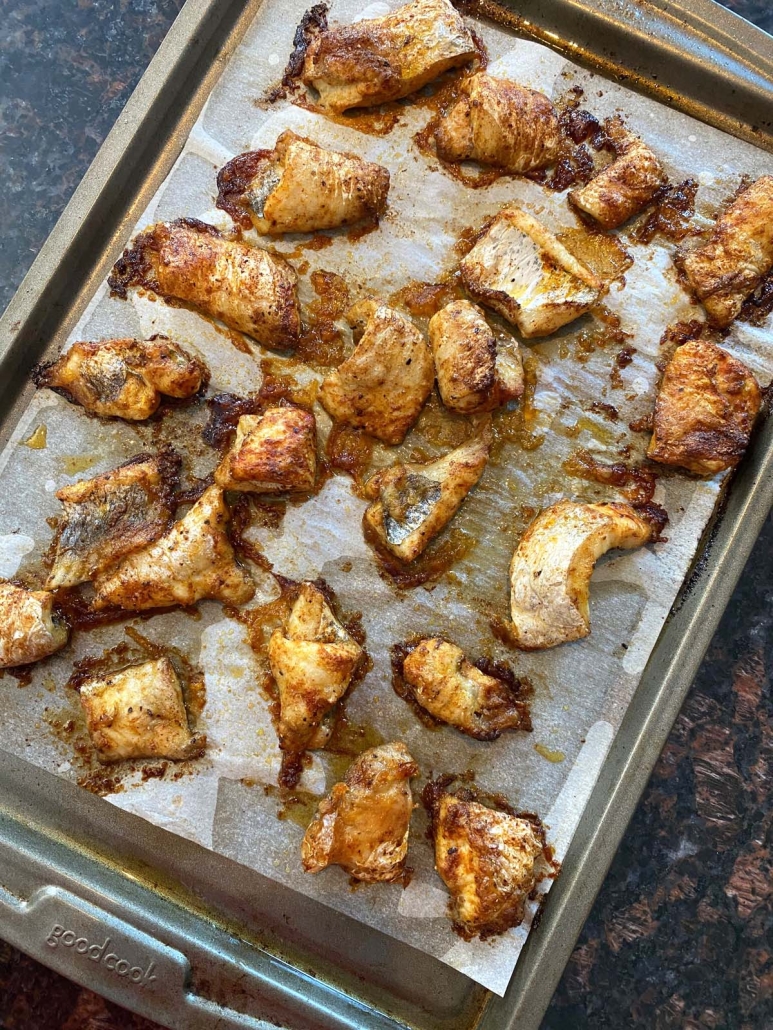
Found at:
<point>126,965</point>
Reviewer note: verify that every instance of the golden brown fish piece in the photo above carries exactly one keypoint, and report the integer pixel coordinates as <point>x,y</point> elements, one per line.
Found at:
<point>491,861</point>
<point>552,567</point>
<point>380,59</point>
<point>362,825</point>
<point>123,378</point>
<point>194,561</point>
<point>111,515</point>
<point>312,660</point>
<point>30,629</point>
<point>140,713</point>
<point>475,372</point>
<point>412,503</point>
<point>453,690</point>
<point>500,123</point>
<point>245,287</point>
<point>625,186</point>
<point>275,452</point>
<point>300,186</point>
<point>731,264</point>
<point>705,411</point>
<point>522,271</point>
<point>383,384</point>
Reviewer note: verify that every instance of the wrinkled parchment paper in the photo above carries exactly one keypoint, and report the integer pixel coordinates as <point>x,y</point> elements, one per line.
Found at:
<point>581,690</point>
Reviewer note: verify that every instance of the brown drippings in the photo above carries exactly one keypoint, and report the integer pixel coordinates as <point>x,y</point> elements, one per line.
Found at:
<point>623,359</point>
<point>671,216</point>
<point>758,305</point>
<point>348,741</point>
<point>584,424</point>
<point>278,386</point>
<point>397,655</point>
<point>225,410</point>
<point>423,300</point>
<point>601,252</point>
<point>441,554</point>
<point>635,484</point>
<point>679,333</point>
<point>322,344</point>
<point>248,511</point>
<point>607,411</point>
<point>21,673</point>
<point>516,425</point>
<point>297,807</point>
<point>349,450</point>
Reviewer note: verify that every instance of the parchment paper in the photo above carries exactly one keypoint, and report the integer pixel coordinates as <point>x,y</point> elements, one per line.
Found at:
<point>582,689</point>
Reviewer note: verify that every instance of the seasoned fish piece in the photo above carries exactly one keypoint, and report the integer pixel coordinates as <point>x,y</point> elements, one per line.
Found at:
<point>300,186</point>
<point>383,384</point>
<point>139,713</point>
<point>552,566</point>
<point>625,186</point>
<point>245,287</point>
<point>123,378</point>
<point>110,516</point>
<point>312,660</point>
<point>275,452</point>
<point>29,627</point>
<point>523,272</point>
<point>362,825</point>
<point>705,411</point>
<point>500,123</point>
<point>413,502</point>
<point>731,265</point>
<point>474,374</point>
<point>453,690</point>
<point>381,59</point>
<point>192,562</point>
<point>490,861</point>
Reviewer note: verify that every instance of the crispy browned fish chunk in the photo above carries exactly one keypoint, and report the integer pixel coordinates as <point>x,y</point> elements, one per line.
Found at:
<point>381,59</point>
<point>362,825</point>
<point>312,660</point>
<point>552,567</point>
<point>453,690</point>
<point>625,186</point>
<point>245,287</point>
<point>383,384</point>
<point>730,266</point>
<point>111,515</point>
<point>192,562</point>
<point>705,411</point>
<point>275,452</point>
<point>491,862</point>
<point>300,186</point>
<point>29,627</point>
<point>522,271</point>
<point>475,372</point>
<point>139,712</point>
<point>500,123</point>
<point>412,503</point>
<point>123,378</point>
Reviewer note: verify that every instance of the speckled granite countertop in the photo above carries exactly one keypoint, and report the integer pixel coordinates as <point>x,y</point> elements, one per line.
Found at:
<point>681,935</point>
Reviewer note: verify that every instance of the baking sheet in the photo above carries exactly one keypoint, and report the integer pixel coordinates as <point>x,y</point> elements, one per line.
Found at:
<point>581,690</point>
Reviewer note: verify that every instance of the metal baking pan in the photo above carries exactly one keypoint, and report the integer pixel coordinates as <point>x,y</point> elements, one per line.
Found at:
<point>187,937</point>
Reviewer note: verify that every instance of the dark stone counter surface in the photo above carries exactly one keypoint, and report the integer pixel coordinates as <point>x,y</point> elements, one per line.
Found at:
<point>681,935</point>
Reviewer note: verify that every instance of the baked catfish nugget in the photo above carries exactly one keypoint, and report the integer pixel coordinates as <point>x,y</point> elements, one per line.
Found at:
<point>726,269</point>
<point>245,287</point>
<point>383,384</point>
<point>381,59</point>
<point>312,661</point>
<point>522,271</point>
<point>192,562</point>
<point>500,123</point>
<point>123,378</point>
<point>412,503</point>
<point>139,712</point>
<point>490,860</point>
<point>107,517</point>
<point>444,683</point>
<point>476,372</point>
<point>300,186</point>
<point>705,411</point>
<point>552,566</point>
<point>275,452</point>
<point>30,629</point>
<point>362,825</point>
<point>624,187</point>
